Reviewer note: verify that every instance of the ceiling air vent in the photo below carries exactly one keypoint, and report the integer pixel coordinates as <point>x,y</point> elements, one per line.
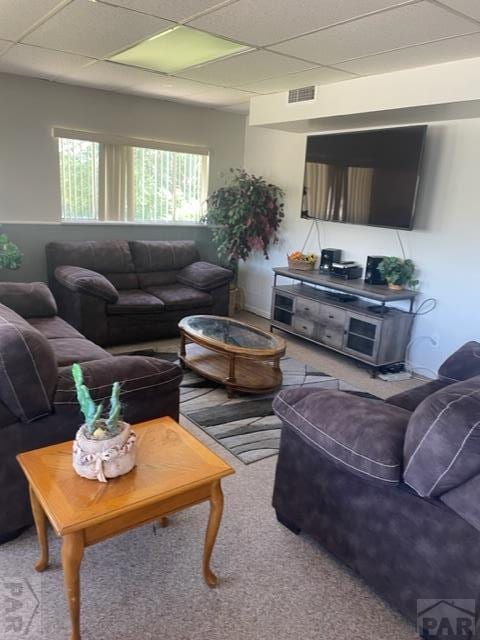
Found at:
<point>301,95</point>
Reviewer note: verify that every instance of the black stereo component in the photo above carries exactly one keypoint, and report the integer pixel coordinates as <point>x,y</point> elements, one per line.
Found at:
<point>347,270</point>
<point>328,257</point>
<point>372,274</point>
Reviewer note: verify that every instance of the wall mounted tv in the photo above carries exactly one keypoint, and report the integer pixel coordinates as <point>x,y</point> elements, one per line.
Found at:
<point>364,177</point>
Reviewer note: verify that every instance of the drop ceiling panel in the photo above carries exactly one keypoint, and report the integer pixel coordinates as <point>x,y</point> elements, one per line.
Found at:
<point>95,29</point>
<point>275,20</point>
<point>425,54</point>
<point>169,87</point>
<point>247,67</point>
<point>17,16</point>
<point>40,63</point>
<point>107,75</point>
<point>400,27</point>
<point>170,9</point>
<point>468,7</point>
<point>4,44</point>
<point>221,96</point>
<point>317,76</point>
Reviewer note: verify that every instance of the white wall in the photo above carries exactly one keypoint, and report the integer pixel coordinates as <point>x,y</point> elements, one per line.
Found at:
<point>444,245</point>
<point>29,108</point>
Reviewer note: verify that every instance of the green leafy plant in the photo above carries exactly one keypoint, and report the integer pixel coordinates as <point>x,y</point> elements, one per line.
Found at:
<point>247,213</point>
<point>96,426</point>
<point>10,255</point>
<point>398,272</point>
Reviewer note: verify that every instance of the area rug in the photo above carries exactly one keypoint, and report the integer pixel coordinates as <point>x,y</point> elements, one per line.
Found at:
<point>245,424</point>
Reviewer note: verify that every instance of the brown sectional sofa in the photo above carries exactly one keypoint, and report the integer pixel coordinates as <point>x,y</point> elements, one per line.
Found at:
<point>38,405</point>
<point>116,291</point>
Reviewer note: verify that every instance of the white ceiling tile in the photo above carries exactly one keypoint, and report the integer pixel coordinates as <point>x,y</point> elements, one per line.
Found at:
<point>468,7</point>
<point>107,75</point>
<point>177,10</point>
<point>419,56</point>
<point>400,27</point>
<point>95,29</point>
<point>247,67</point>
<point>169,87</point>
<point>317,76</point>
<point>275,20</point>
<point>221,96</point>
<point>16,17</point>
<point>40,63</point>
<point>4,44</point>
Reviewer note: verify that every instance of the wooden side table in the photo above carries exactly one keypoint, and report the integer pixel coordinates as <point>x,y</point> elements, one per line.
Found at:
<point>174,471</point>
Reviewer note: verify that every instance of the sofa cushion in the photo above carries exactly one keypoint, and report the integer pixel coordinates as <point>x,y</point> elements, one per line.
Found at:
<point>86,281</point>
<point>360,435</point>
<point>463,364</point>
<point>161,255</point>
<point>54,328</point>
<point>464,501</point>
<point>135,301</point>
<point>413,397</point>
<point>157,278</point>
<point>28,371</point>
<point>70,350</point>
<point>177,296</point>
<point>33,299</point>
<point>107,256</point>
<point>442,443</point>
<point>204,276</point>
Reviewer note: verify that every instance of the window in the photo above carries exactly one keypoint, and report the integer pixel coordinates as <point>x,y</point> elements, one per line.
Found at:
<point>112,180</point>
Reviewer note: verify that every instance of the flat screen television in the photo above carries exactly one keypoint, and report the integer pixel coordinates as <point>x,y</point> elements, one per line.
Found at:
<point>364,177</point>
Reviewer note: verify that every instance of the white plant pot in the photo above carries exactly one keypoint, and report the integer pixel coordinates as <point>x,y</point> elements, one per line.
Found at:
<point>102,459</point>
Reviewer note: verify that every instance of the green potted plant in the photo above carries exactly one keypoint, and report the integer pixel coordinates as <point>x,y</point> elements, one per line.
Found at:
<point>104,447</point>
<point>10,255</point>
<point>398,273</point>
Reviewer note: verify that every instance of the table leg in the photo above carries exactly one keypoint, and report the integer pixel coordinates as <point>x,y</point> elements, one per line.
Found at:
<point>41,525</point>
<point>72,554</point>
<point>183,350</point>
<point>163,522</point>
<point>216,510</point>
<point>276,364</point>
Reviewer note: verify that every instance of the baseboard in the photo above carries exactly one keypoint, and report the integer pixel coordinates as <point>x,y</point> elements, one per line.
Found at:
<point>258,311</point>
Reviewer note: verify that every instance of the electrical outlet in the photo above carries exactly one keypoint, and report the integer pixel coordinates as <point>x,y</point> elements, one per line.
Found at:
<point>435,338</point>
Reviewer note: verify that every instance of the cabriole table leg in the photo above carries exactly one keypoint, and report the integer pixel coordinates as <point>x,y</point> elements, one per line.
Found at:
<point>216,510</point>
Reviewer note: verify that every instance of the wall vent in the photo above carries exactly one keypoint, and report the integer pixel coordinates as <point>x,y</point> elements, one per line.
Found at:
<point>301,95</point>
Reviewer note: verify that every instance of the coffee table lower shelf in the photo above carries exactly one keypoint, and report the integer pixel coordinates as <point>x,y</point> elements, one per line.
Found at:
<point>236,373</point>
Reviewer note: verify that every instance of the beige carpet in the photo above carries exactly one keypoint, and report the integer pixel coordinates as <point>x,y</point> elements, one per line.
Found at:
<point>147,585</point>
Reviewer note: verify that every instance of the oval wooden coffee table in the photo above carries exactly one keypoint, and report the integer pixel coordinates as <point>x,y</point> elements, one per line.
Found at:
<point>235,354</point>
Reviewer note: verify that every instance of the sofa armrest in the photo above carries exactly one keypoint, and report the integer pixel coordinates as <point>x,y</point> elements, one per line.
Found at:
<point>462,364</point>
<point>29,300</point>
<point>86,281</point>
<point>149,387</point>
<point>204,276</point>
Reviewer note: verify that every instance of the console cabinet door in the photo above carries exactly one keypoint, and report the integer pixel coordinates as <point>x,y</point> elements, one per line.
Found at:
<point>362,336</point>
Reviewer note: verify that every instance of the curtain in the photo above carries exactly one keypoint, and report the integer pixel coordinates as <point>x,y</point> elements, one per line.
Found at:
<point>116,198</point>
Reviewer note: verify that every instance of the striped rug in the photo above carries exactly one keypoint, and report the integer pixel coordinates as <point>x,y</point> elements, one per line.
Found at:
<point>246,424</point>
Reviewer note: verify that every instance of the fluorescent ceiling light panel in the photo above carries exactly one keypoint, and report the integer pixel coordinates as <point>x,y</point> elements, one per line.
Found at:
<point>177,49</point>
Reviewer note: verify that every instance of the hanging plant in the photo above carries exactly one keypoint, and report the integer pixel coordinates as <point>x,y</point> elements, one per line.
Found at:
<point>247,213</point>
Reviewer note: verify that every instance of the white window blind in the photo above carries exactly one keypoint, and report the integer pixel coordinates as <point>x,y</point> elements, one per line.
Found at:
<point>114,178</point>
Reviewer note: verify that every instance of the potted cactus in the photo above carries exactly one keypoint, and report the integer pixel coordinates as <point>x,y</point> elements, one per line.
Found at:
<point>104,447</point>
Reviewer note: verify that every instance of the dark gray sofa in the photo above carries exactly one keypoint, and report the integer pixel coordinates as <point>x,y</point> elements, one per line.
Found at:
<point>117,292</point>
<point>391,487</point>
<point>38,405</point>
